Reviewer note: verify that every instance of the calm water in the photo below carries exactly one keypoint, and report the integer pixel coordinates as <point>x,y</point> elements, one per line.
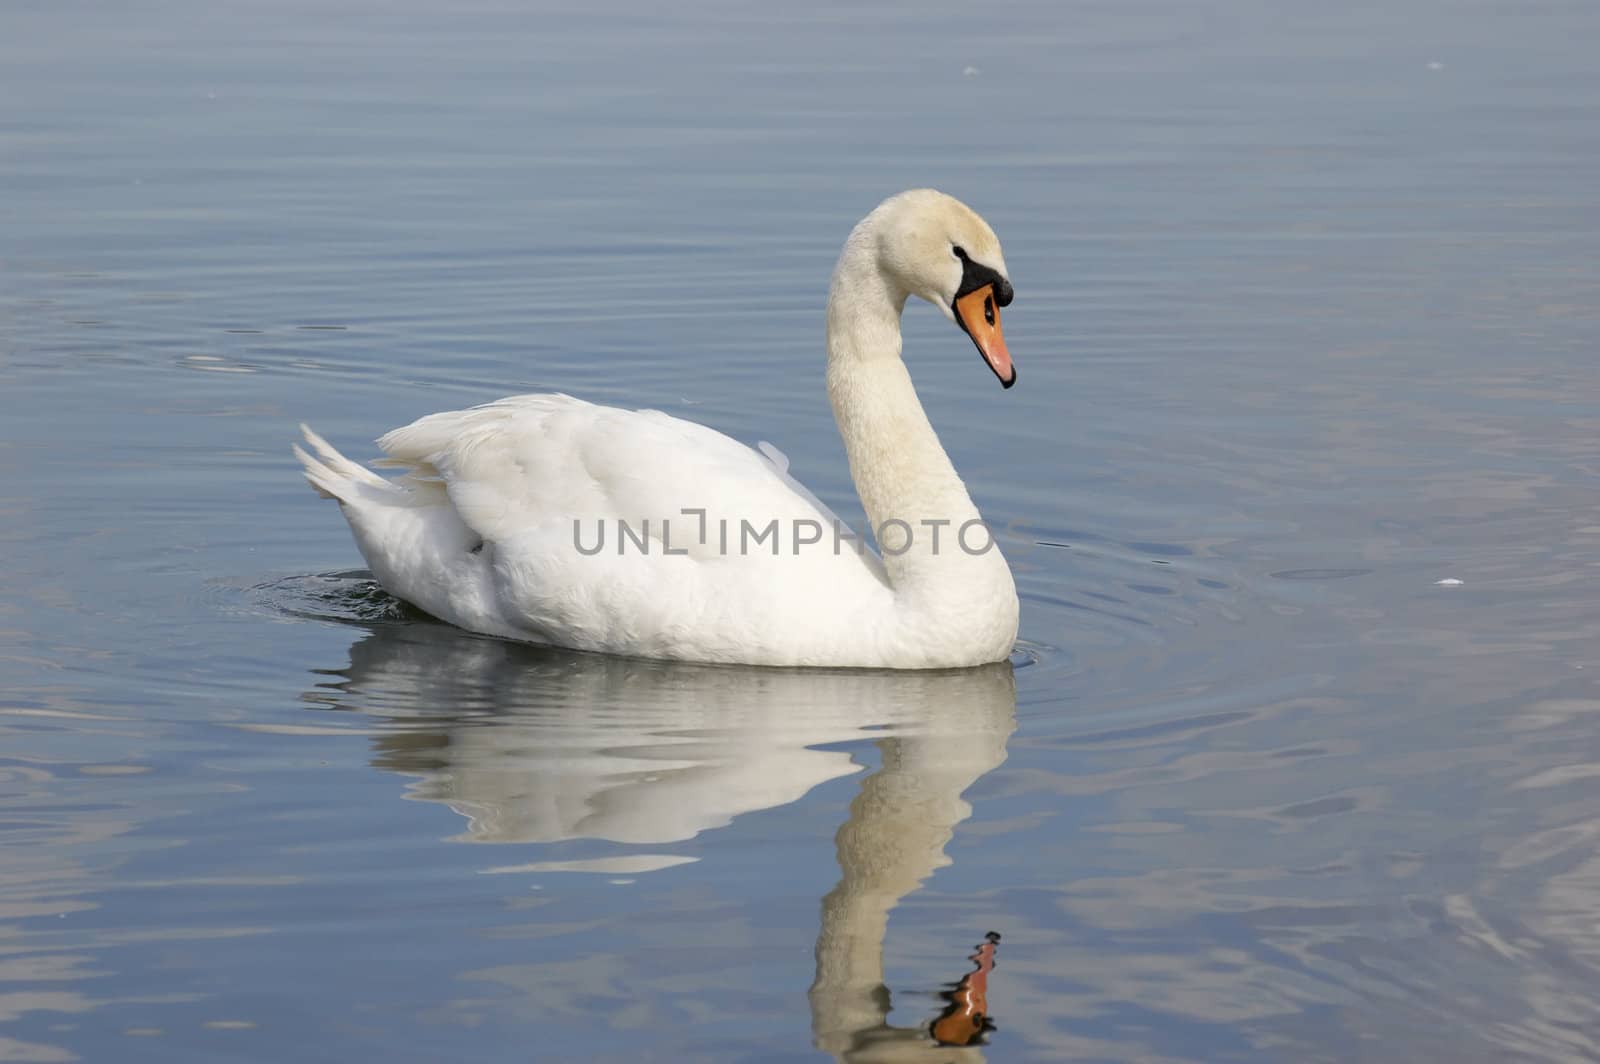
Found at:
<point>1308,320</point>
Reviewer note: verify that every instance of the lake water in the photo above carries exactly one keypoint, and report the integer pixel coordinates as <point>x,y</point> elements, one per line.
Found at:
<point>1307,322</point>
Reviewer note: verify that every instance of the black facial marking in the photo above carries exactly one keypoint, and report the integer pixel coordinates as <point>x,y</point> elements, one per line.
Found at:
<point>974,275</point>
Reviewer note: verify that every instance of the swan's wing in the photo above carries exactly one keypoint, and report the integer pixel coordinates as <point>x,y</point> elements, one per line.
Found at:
<point>780,466</point>
<point>541,461</point>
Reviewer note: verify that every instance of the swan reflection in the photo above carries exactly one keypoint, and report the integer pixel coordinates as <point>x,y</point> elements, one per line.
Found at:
<point>531,745</point>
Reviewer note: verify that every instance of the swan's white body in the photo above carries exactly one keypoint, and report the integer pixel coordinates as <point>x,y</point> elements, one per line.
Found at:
<point>495,525</point>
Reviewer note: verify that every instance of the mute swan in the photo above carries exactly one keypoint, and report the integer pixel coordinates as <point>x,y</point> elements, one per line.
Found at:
<point>551,520</point>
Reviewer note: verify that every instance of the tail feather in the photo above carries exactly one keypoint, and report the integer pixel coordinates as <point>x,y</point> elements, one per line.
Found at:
<point>333,475</point>
<point>416,544</point>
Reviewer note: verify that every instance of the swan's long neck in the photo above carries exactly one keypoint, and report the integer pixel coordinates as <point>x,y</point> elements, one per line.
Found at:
<point>904,478</point>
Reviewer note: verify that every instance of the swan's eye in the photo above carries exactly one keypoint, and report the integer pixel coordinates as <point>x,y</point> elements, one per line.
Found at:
<point>959,252</point>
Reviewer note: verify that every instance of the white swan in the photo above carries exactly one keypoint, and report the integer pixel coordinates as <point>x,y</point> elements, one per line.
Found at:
<point>711,552</point>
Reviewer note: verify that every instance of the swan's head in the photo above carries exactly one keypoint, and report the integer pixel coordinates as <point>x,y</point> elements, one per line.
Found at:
<point>938,248</point>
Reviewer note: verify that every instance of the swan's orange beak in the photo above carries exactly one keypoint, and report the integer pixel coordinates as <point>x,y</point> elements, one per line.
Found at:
<point>979,316</point>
